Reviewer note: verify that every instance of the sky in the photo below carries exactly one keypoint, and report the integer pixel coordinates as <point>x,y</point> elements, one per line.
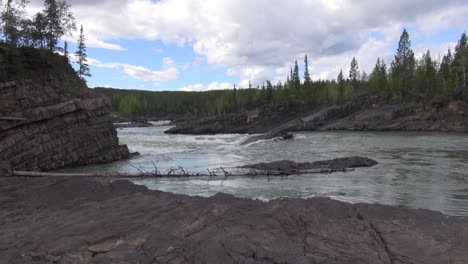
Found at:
<point>199,45</point>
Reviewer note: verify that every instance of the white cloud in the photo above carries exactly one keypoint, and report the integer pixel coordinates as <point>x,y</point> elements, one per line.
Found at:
<point>168,73</point>
<point>202,88</point>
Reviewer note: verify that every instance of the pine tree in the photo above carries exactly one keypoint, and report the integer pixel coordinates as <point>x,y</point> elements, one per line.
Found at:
<point>403,67</point>
<point>307,79</point>
<point>83,67</point>
<point>60,21</point>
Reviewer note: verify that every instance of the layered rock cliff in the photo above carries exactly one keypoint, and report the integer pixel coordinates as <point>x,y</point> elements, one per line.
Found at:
<point>49,119</point>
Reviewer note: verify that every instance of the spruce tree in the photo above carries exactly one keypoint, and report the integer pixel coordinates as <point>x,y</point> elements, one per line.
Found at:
<point>403,67</point>
<point>340,78</point>
<point>378,78</point>
<point>59,21</point>
<point>297,80</point>
<point>65,50</point>
<point>354,74</point>
<point>307,79</point>
<point>83,67</point>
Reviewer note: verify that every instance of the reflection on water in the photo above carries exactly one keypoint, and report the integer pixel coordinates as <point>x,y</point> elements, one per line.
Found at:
<point>422,170</point>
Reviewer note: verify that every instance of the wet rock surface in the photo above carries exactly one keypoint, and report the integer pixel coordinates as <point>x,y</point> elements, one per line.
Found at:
<point>52,220</point>
<point>289,167</point>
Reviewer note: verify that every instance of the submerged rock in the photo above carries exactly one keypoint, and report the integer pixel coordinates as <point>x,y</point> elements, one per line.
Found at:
<point>85,221</point>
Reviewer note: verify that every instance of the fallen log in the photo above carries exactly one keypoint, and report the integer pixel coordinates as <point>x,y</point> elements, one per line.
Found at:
<point>277,168</point>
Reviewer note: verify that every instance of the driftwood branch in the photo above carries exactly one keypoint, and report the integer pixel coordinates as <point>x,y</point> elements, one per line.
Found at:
<point>175,173</point>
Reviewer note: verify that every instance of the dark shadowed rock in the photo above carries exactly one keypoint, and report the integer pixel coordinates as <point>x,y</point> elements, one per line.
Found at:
<point>288,166</point>
<point>5,169</point>
<point>83,221</point>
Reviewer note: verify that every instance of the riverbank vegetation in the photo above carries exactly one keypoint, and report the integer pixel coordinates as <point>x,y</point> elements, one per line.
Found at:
<point>407,78</point>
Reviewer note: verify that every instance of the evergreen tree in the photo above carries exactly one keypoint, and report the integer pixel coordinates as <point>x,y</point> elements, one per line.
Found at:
<point>65,50</point>
<point>307,79</point>
<point>445,73</point>
<point>426,77</point>
<point>460,67</point>
<point>403,67</point>
<point>378,78</point>
<point>340,78</point>
<point>59,21</point>
<point>295,77</point>
<point>341,84</point>
<point>83,67</point>
<point>445,70</point>
<point>11,20</point>
<point>39,30</point>
<point>354,74</point>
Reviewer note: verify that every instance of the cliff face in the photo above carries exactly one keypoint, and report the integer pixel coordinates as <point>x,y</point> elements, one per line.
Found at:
<point>49,119</point>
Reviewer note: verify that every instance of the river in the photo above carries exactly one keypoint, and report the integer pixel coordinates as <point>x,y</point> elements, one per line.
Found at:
<point>416,169</point>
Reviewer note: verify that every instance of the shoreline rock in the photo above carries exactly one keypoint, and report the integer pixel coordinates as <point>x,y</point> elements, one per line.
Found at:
<point>289,167</point>
<point>87,221</point>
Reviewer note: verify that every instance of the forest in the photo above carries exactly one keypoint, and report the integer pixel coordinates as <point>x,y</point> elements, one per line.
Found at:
<point>406,79</point>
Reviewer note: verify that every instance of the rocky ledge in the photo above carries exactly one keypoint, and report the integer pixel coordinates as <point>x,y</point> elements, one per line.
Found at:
<point>73,220</point>
<point>364,113</point>
<point>49,118</point>
<point>291,167</point>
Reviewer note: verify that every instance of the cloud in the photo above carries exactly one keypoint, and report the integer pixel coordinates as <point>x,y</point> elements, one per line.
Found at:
<point>202,88</point>
<point>168,73</point>
<point>257,40</point>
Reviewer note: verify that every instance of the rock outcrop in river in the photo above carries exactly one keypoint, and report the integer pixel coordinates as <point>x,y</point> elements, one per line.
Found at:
<point>49,119</point>
<point>73,220</point>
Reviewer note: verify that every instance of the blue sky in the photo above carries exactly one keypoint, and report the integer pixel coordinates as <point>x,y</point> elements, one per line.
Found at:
<point>213,44</point>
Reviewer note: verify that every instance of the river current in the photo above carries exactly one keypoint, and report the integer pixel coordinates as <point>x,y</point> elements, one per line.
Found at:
<point>416,169</point>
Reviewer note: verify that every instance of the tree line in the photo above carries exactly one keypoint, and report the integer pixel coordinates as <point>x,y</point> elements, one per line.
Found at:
<point>407,79</point>
<point>43,30</point>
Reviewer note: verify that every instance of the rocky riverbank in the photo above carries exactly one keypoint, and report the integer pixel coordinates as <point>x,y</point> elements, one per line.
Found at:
<point>74,220</point>
<point>49,118</point>
<point>365,113</point>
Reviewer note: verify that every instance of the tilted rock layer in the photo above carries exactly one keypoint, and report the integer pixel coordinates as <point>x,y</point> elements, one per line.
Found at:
<point>49,119</point>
